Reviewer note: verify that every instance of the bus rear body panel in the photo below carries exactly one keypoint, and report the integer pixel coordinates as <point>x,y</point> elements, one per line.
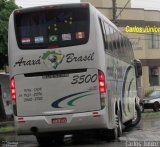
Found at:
<point>69,91</point>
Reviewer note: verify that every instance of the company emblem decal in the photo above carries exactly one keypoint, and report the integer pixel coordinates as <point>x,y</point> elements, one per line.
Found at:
<point>53,58</point>
<point>73,97</point>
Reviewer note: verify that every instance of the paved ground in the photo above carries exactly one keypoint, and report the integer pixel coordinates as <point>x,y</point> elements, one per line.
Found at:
<point>147,134</point>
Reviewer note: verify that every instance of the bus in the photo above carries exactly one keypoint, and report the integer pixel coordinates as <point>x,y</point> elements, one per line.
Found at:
<point>71,72</point>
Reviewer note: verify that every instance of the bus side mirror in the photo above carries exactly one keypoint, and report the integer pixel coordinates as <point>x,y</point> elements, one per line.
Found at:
<point>138,68</point>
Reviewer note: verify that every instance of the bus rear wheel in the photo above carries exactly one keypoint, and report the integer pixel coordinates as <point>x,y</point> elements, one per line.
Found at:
<point>156,106</point>
<point>113,134</point>
<point>44,140</point>
<point>137,117</point>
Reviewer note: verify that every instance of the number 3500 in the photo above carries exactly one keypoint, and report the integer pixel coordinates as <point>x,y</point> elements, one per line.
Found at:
<point>79,79</point>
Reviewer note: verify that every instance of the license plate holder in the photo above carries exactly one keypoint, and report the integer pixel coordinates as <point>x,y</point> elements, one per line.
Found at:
<point>59,120</point>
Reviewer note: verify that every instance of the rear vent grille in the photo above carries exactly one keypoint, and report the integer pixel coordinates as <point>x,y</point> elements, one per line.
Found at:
<point>55,72</point>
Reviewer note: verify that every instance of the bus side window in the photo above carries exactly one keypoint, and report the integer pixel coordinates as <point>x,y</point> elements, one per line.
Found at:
<point>118,45</point>
<point>104,34</point>
<point>111,39</point>
<point>129,50</point>
<point>125,49</point>
<point>115,43</point>
<point>122,47</point>
<point>107,34</point>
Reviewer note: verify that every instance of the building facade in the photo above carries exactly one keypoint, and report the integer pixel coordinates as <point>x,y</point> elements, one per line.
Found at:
<point>142,27</point>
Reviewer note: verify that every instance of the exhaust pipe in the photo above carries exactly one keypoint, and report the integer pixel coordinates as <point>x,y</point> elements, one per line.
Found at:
<point>34,130</point>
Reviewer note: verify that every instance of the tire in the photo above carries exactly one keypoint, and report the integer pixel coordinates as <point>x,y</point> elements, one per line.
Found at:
<point>136,119</point>
<point>119,124</point>
<point>44,140</point>
<point>156,106</point>
<point>59,139</point>
<point>141,107</point>
<point>113,134</point>
<point>48,140</point>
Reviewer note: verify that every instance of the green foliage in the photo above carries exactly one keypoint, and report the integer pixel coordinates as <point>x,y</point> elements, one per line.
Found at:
<point>149,114</point>
<point>6,8</point>
<point>148,93</point>
<point>7,129</point>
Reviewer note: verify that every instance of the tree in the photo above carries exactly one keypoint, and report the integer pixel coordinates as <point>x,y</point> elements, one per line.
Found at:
<point>6,8</point>
<point>2,111</point>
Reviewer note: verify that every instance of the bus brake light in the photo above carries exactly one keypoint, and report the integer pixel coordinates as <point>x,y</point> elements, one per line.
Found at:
<point>102,85</point>
<point>13,90</point>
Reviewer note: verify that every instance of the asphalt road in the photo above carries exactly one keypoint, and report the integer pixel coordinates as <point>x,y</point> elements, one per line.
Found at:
<point>147,134</point>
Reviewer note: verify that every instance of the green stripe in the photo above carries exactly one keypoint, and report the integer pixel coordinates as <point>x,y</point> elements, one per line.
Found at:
<point>70,103</point>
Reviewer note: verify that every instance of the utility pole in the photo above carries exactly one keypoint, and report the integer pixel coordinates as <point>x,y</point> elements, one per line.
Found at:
<point>114,6</point>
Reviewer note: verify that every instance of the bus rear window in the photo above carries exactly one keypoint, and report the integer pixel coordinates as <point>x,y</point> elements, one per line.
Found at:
<point>52,27</point>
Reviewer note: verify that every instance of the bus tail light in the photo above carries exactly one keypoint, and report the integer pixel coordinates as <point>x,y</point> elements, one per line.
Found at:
<point>13,89</point>
<point>13,95</point>
<point>102,84</point>
<point>102,88</point>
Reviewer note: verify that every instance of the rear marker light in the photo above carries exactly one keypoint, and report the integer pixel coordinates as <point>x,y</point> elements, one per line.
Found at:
<point>96,114</point>
<point>52,6</point>
<point>84,5</point>
<point>21,120</point>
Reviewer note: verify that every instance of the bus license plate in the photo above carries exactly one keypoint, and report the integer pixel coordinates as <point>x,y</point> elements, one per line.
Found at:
<point>59,120</point>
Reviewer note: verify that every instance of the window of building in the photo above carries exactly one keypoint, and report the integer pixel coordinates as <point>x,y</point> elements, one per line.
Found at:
<point>154,76</point>
<point>153,40</point>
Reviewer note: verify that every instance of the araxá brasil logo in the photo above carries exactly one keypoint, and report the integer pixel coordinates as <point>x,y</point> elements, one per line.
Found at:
<point>52,58</point>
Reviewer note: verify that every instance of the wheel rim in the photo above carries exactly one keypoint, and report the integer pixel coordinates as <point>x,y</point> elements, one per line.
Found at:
<point>141,107</point>
<point>116,133</point>
<point>135,116</point>
<point>116,126</point>
<point>119,125</point>
<point>118,129</point>
<point>156,106</point>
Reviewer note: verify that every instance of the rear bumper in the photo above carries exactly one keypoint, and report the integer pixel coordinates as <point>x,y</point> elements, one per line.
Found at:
<point>75,122</point>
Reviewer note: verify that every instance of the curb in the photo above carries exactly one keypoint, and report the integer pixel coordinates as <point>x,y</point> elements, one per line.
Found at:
<point>5,123</point>
<point>7,132</point>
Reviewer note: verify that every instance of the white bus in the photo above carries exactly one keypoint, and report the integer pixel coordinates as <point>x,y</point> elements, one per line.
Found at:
<point>71,72</point>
